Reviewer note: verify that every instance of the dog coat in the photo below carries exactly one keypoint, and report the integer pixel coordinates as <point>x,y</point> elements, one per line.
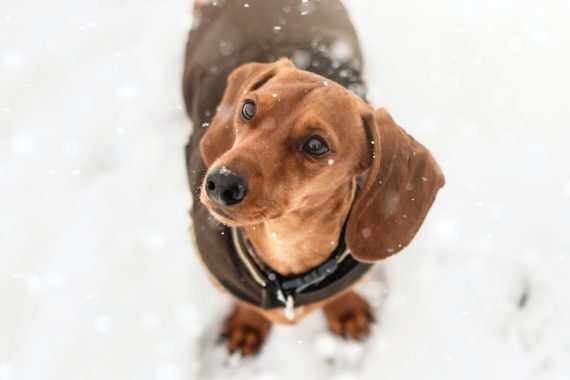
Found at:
<point>318,37</point>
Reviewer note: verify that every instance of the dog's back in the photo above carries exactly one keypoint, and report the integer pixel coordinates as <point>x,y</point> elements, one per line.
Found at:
<point>318,36</point>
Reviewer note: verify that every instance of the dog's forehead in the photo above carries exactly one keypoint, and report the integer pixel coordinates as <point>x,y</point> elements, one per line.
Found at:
<point>298,88</point>
<point>305,80</point>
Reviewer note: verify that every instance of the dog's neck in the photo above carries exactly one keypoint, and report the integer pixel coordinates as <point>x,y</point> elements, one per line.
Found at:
<point>303,239</point>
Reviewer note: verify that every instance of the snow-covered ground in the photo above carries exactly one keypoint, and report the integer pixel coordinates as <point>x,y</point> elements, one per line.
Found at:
<point>97,275</point>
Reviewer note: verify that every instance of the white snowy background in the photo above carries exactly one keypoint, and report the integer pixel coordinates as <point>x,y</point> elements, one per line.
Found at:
<point>98,279</point>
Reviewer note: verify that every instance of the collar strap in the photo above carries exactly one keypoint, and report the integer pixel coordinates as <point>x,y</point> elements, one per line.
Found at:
<point>287,287</point>
<point>297,283</point>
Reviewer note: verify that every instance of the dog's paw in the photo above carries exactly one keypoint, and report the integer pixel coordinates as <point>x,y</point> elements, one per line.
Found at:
<point>245,331</point>
<point>349,316</point>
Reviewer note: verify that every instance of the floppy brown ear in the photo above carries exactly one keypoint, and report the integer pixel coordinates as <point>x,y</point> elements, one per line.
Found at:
<point>220,135</point>
<point>403,180</point>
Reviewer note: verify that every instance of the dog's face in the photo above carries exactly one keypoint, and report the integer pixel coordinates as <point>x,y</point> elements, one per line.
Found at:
<point>286,140</point>
<point>295,139</point>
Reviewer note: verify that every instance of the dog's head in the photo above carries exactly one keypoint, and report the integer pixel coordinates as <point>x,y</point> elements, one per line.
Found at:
<point>284,139</point>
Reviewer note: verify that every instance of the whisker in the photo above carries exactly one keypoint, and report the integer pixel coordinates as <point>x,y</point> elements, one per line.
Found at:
<point>266,218</point>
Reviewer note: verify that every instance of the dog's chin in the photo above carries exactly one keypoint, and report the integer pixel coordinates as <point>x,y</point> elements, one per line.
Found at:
<point>223,217</point>
<point>230,218</point>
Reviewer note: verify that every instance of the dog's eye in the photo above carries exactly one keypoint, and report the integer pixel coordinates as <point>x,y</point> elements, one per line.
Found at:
<point>315,146</point>
<point>248,110</point>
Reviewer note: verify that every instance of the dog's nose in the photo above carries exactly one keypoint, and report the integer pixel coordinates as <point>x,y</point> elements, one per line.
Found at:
<point>225,187</point>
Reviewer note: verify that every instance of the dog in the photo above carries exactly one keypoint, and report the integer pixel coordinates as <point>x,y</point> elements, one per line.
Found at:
<point>299,184</point>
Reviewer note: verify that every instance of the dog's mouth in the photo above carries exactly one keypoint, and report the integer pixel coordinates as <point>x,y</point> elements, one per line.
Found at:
<point>229,218</point>
<point>226,217</point>
<point>217,211</point>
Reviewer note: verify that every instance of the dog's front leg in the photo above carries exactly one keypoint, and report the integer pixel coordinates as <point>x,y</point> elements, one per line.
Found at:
<point>349,316</point>
<point>245,330</point>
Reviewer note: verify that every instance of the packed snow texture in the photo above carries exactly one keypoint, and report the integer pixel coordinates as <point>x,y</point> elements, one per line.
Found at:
<point>98,278</point>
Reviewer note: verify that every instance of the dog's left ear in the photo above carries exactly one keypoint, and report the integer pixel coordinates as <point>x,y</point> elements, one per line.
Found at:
<point>220,135</point>
<point>403,180</point>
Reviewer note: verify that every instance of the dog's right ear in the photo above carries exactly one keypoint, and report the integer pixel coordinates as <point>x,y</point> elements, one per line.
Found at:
<point>220,135</point>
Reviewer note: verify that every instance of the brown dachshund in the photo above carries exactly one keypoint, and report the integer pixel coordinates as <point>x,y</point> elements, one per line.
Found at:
<point>307,181</point>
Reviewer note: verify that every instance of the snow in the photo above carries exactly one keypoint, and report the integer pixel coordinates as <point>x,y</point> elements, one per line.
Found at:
<point>341,50</point>
<point>301,59</point>
<point>226,48</point>
<point>98,279</point>
<point>225,171</point>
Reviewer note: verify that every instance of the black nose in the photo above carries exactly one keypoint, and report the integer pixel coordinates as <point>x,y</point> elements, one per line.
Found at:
<point>225,187</point>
